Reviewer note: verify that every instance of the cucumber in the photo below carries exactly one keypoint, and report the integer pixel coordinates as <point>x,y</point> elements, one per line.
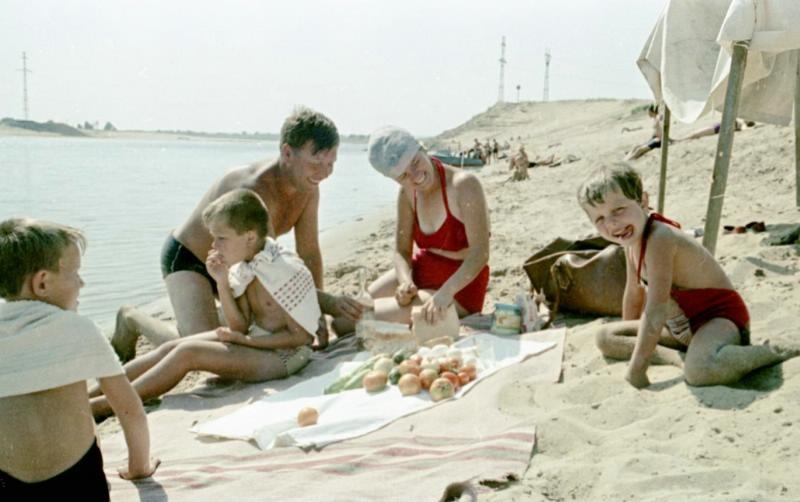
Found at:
<point>401,355</point>
<point>342,383</point>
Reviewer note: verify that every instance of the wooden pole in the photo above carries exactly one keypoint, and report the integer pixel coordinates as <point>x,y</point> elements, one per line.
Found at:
<point>724,146</point>
<point>662,180</point>
<point>797,133</point>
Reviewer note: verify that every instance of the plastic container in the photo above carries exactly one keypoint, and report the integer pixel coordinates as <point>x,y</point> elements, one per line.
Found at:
<point>507,319</point>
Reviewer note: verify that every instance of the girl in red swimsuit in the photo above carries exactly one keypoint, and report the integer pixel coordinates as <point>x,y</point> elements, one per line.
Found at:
<point>688,304</point>
<point>442,240</point>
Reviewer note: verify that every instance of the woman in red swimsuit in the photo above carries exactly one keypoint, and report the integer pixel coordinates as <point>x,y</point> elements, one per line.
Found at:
<point>442,240</point>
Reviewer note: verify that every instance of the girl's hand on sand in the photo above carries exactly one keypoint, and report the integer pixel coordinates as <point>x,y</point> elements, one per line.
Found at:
<point>128,475</point>
<point>405,293</point>
<point>227,335</point>
<point>217,268</point>
<point>434,309</point>
<point>637,378</point>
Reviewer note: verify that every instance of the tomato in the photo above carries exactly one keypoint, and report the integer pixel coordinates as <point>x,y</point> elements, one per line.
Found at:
<point>307,416</point>
<point>427,376</point>
<point>463,377</point>
<point>452,377</point>
<point>471,371</point>
<point>408,367</point>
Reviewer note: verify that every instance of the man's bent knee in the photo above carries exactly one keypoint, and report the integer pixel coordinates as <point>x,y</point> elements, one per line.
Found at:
<point>192,301</point>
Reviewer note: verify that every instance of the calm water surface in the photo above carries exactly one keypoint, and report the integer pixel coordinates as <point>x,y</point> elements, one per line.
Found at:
<point>128,194</point>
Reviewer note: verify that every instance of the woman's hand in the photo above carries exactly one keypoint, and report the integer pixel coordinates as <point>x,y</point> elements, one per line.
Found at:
<point>405,293</point>
<point>216,267</point>
<point>434,309</point>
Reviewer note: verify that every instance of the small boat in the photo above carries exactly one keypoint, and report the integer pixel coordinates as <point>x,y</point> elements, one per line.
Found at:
<point>458,160</point>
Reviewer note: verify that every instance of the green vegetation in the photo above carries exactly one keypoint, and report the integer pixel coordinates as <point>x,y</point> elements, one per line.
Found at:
<point>49,126</point>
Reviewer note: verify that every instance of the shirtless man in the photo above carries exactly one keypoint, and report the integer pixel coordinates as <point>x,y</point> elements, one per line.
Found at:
<point>289,187</point>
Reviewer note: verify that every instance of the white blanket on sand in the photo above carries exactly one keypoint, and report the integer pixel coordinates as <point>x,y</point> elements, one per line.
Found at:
<point>272,421</point>
<point>43,347</point>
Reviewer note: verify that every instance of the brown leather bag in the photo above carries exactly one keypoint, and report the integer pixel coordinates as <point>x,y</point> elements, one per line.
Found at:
<point>586,276</point>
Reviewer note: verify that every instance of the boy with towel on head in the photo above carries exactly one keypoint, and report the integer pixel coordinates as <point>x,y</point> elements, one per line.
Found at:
<point>268,298</point>
<point>676,295</point>
<point>48,448</point>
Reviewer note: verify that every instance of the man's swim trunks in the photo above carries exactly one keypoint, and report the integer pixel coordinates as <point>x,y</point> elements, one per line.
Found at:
<point>85,480</point>
<point>654,143</point>
<point>175,257</point>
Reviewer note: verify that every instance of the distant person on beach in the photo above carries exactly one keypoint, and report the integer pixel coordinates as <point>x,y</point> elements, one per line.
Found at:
<point>676,294</point>
<point>738,125</point>
<point>518,164</point>
<point>289,186</point>
<point>655,141</point>
<point>268,298</point>
<point>48,351</point>
<point>442,212</point>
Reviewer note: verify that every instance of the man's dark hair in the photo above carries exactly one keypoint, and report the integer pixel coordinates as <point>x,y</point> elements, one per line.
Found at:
<point>305,124</point>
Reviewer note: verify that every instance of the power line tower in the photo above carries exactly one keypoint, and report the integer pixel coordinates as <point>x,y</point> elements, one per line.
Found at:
<point>546,93</point>
<point>25,72</point>
<point>502,70</point>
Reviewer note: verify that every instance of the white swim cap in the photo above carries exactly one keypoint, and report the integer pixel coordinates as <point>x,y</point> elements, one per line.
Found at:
<point>390,149</point>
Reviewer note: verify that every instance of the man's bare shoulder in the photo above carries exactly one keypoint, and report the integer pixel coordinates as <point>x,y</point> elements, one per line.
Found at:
<point>245,176</point>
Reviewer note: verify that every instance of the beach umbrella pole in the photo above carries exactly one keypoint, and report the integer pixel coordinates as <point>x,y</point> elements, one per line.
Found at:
<point>724,146</point>
<point>662,180</point>
<point>797,132</point>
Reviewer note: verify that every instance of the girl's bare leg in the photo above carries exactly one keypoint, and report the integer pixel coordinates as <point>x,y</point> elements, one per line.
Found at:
<point>226,360</point>
<point>716,358</point>
<point>616,340</point>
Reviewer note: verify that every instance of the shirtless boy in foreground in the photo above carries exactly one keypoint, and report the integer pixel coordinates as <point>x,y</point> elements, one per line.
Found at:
<point>676,294</point>
<point>48,448</point>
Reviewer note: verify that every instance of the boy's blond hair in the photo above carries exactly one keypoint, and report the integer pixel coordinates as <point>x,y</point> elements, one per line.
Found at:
<point>240,209</point>
<point>28,246</point>
<point>620,176</point>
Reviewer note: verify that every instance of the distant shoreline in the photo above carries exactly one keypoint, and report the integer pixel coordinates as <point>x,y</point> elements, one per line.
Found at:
<point>9,131</point>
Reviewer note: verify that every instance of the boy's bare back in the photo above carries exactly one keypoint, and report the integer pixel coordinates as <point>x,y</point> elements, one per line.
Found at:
<point>56,421</point>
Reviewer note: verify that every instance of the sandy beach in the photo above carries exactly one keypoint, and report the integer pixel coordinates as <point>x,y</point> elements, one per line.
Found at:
<point>597,437</point>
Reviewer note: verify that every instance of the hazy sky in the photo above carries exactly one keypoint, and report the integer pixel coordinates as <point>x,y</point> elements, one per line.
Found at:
<point>426,65</point>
